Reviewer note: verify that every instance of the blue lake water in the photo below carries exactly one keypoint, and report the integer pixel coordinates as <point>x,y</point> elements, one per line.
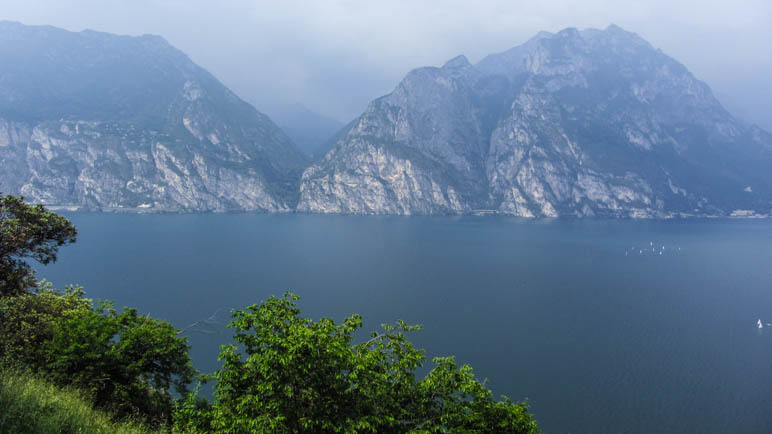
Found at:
<point>604,325</point>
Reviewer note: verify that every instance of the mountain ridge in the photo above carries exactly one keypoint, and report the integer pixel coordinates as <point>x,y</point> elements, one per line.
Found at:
<point>100,121</point>
<point>576,123</point>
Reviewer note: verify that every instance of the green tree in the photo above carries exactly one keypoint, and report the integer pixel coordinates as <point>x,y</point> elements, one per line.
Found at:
<point>291,374</point>
<point>28,231</point>
<point>28,322</point>
<point>124,362</point>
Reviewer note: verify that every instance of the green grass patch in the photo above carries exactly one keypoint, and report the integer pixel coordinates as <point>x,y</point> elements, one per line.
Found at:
<point>31,405</point>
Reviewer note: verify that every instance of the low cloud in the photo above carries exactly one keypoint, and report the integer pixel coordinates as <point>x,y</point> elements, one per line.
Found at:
<point>336,55</point>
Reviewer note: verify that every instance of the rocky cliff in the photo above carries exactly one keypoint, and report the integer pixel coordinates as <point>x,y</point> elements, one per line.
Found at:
<point>97,121</point>
<point>578,123</point>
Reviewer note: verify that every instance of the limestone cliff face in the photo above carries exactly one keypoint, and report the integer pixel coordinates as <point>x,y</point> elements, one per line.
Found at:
<point>408,154</point>
<point>590,123</point>
<point>104,122</point>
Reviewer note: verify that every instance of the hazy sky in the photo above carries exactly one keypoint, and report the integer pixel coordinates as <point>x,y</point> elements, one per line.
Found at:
<point>336,55</point>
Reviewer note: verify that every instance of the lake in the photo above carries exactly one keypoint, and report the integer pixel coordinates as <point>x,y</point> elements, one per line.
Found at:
<point>614,326</point>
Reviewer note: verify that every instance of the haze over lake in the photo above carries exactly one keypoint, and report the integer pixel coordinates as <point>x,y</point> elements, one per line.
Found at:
<point>604,325</point>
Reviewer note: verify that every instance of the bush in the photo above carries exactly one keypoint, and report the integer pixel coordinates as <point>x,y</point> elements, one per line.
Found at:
<point>291,374</point>
<point>28,322</point>
<point>123,362</point>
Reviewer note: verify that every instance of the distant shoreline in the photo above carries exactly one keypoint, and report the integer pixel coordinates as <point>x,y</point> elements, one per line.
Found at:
<point>735,215</point>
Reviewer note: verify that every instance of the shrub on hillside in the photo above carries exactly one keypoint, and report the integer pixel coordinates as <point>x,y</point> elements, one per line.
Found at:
<point>124,362</point>
<point>287,373</point>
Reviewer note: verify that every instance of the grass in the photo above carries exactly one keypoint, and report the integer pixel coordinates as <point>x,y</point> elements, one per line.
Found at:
<point>31,405</point>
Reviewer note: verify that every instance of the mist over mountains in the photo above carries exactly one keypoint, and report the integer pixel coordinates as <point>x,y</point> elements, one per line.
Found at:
<point>576,123</point>
<point>308,130</point>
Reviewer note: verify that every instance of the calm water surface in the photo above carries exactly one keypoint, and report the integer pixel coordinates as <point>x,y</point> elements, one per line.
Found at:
<point>605,326</point>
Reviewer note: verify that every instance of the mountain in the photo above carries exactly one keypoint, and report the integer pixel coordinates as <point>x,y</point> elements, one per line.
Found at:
<point>98,121</point>
<point>577,123</point>
<point>308,130</point>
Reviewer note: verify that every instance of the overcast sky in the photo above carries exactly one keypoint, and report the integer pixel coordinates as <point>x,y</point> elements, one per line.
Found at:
<point>334,56</point>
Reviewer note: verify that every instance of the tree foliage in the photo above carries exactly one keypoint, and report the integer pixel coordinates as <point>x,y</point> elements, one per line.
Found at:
<point>291,374</point>
<point>124,362</point>
<point>28,322</point>
<point>28,231</point>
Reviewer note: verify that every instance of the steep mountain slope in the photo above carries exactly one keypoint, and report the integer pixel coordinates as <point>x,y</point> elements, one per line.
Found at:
<point>590,123</point>
<point>100,121</point>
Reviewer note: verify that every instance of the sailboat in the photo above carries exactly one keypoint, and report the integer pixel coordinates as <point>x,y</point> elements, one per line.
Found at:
<point>759,324</point>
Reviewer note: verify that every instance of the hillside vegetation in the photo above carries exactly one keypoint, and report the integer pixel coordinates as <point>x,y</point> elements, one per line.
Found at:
<point>31,405</point>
